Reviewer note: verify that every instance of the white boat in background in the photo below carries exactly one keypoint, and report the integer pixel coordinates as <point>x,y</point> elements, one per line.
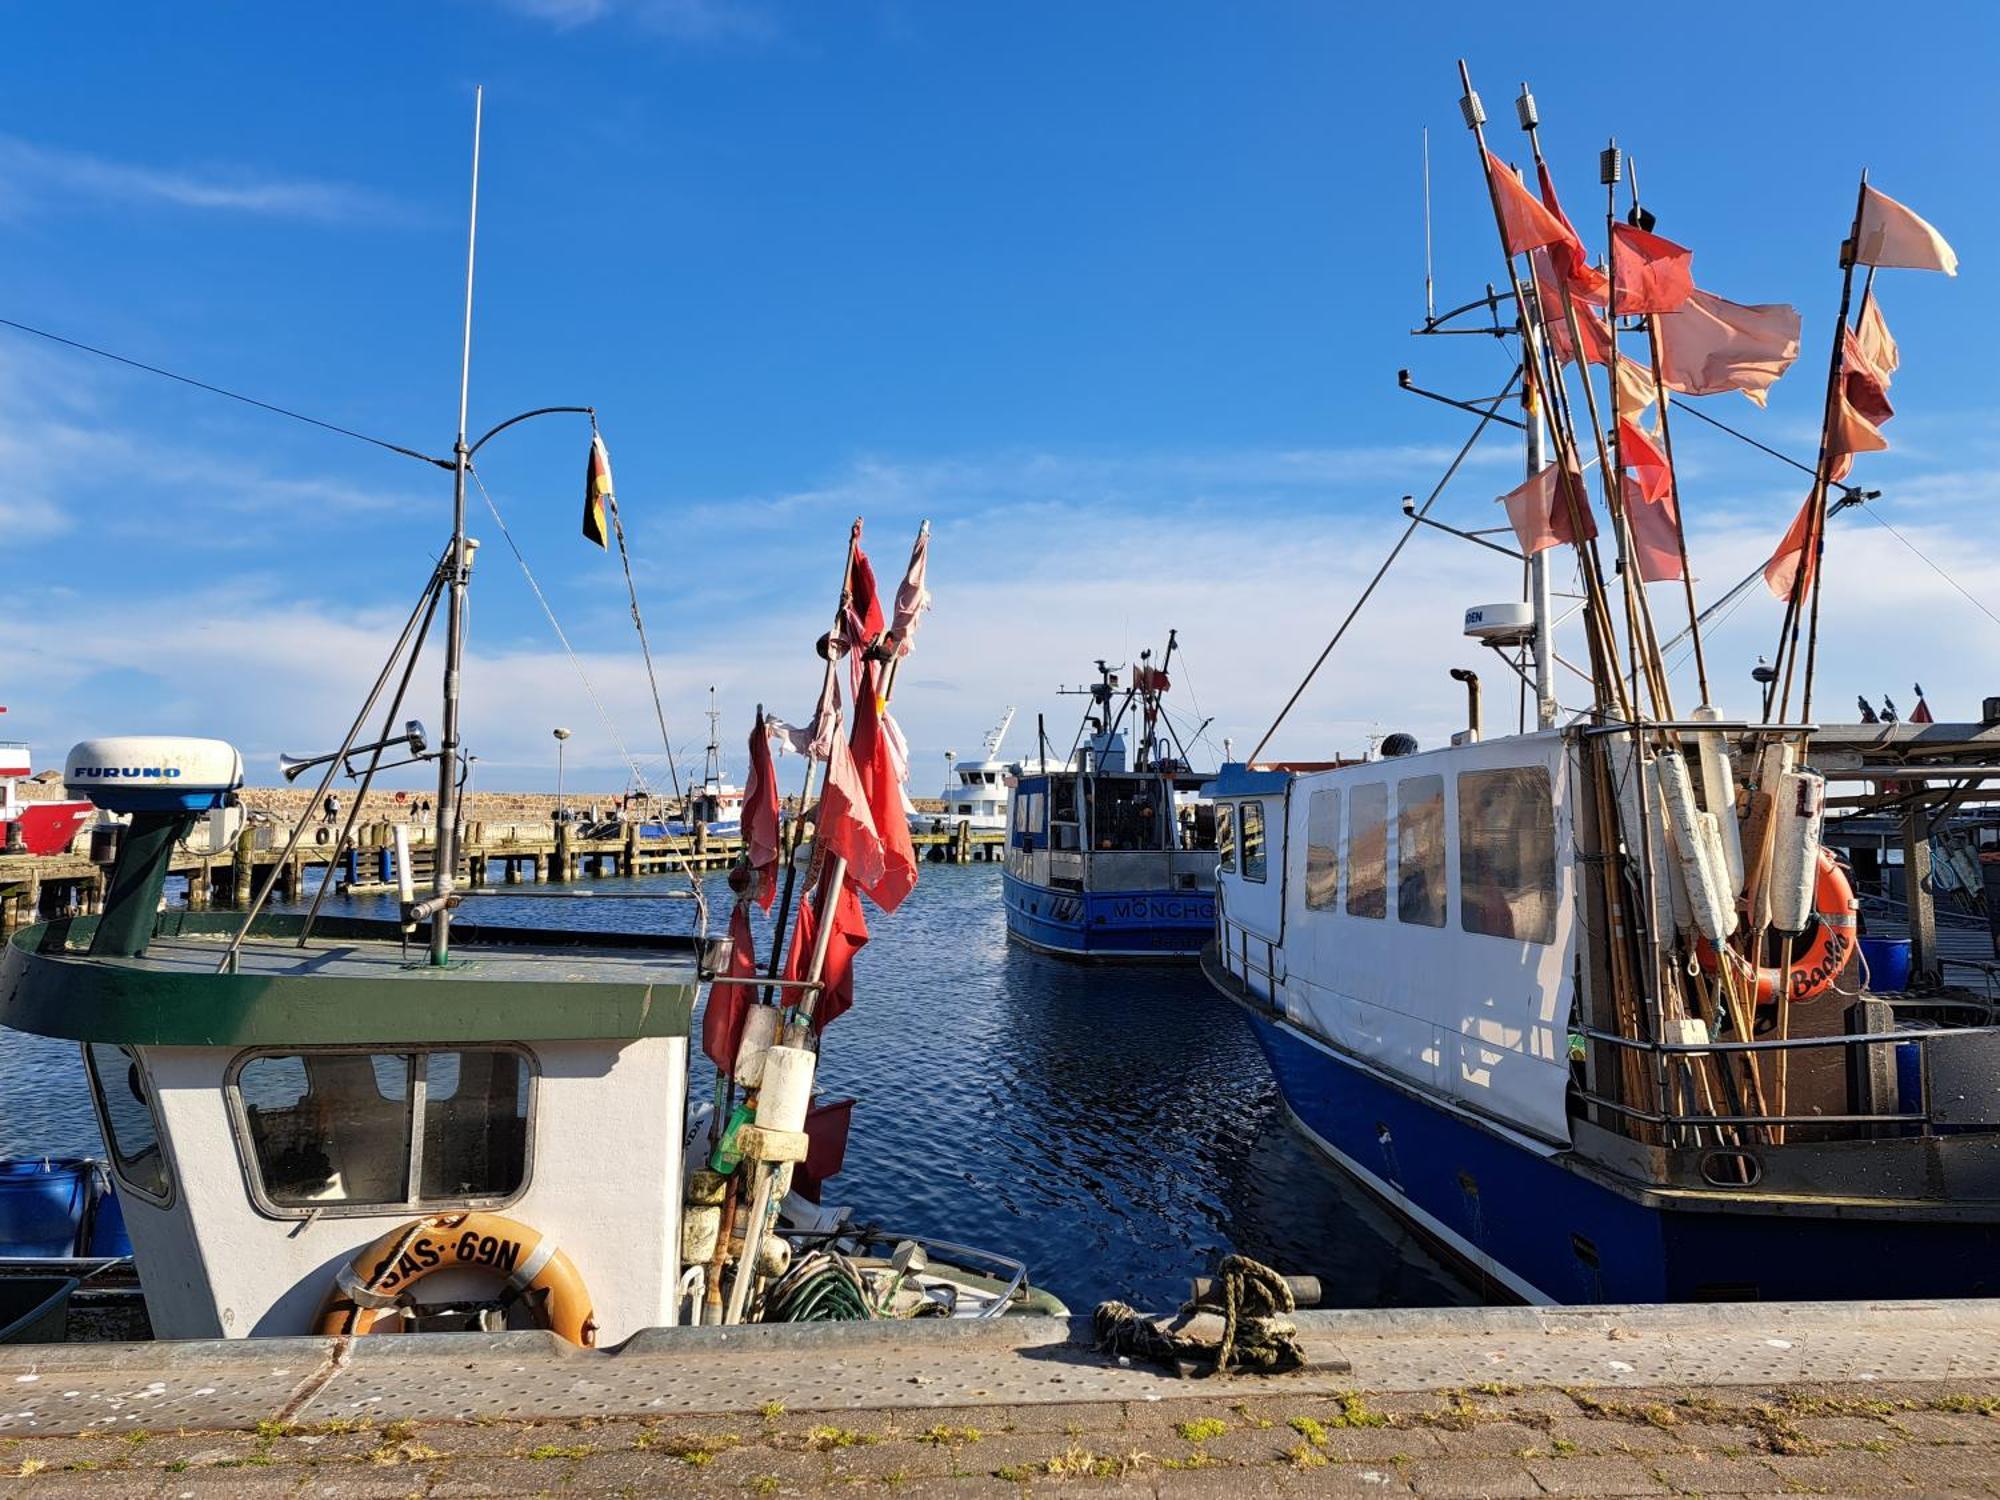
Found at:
<point>977,793</point>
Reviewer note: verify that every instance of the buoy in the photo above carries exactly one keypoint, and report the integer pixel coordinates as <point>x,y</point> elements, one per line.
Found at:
<point>1718,785</point>
<point>760,1030</point>
<point>782,1101</point>
<point>700,1229</point>
<point>1718,859</point>
<point>1700,866</point>
<point>1647,838</point>
<point>1800,810</point>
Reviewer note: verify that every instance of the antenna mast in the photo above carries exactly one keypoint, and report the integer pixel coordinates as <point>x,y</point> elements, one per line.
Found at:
<point>459,563</point>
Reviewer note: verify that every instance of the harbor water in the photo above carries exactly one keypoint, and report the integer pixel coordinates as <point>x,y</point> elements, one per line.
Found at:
<point>1114,1127</point>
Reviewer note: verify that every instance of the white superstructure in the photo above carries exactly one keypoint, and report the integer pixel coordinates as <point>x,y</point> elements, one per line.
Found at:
<point>977,792</point>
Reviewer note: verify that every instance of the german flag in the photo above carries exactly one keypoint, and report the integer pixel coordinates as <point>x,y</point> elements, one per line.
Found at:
<point>597,493</point>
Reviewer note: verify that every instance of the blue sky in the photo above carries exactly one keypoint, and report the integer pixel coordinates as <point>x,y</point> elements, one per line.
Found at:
<point>1115,294</point>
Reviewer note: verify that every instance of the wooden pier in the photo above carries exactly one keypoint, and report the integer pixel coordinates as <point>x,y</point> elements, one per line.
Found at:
<point>37,886</point>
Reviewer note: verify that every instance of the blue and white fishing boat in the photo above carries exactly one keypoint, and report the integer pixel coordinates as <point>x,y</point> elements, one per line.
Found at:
<point>1586,1003</point>
<point>1112,856</point>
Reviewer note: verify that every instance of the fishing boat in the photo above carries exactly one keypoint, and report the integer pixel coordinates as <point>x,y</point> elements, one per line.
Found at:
<point>42,826</point>
<point>1112,855</point>
<point>319,1123</point>
<point>1582,1000</point>
<point>975,791</point>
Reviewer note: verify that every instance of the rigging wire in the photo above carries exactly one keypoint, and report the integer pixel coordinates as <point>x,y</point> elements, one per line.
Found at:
<point>217,390</point>
<point>1933,565</point>
<point>1394,552</point>
<point>610,728</point>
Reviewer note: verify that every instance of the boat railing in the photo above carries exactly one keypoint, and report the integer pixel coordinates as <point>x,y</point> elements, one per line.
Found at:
<point>1237,943</point>
<point>1897,1087</point>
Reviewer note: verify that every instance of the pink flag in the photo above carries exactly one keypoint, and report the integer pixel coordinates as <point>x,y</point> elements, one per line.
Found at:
<point>1653,275</point>
<point>1589,321</point>
<point>912,597</point>
<point>1893,236</point>
<point>1789,567</point>
<point>1648,464</point>
<point>1709,345</point>
<point>760,816</point>
<point>1872,337</point>
<point>1539,510</point>
<point>1656,531</point>
<point>1524,224</point>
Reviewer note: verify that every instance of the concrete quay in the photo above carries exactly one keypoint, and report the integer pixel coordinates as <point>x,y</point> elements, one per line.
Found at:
<point>1768,1399</point>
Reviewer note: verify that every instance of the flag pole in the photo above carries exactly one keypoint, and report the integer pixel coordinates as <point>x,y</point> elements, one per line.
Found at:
<point>1815,538</point>
<point>1680,523</point>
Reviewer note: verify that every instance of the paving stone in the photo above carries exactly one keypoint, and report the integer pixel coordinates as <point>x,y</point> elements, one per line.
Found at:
<point>1948,1426</point>
<point>1705,1474</point>
<point>101,1484</point>
<point>1471,1479</point>
<point>498,1476</point>
<point>1939,1464</point>
<point>1595,1476</point>
<point>900,1461</point>
<point>1830,1471</point>
<point>1222,1482</point>
<point>1595,1435</point>
<point>1489,1440</point>
<point>1837,1430</point>
<point>232,1484</point>
<point>1381,1444</point>
<point>366,1481</point>
<point>1061,1416</point>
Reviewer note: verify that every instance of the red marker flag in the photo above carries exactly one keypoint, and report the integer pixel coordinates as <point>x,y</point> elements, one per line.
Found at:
<point>760,816</point>
<point>1790,568</point>
<point>848,937</point>
<point>1539,510</point>
<point>722,1018</point>
<point>1653,275</point>
<point>597,493</point>
<point>1524,223</point>
<point>1650,513</point>
<point>1585,281</point>
<point>875,760</point>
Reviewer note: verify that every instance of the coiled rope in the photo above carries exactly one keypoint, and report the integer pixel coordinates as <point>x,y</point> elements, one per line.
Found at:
<point>1255,1304</point>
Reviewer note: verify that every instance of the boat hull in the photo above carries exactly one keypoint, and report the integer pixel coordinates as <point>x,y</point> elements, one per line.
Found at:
<point>1540,1224</point>
<point>1108,925</point>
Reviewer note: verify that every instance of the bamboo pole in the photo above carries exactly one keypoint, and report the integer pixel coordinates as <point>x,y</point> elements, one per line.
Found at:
<point>1815,538</point>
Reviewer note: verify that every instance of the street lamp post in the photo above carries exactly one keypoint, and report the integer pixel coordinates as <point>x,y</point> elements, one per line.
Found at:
<point>561,735</point>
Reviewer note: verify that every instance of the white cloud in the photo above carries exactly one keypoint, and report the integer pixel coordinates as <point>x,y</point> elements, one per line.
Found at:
<point>37,176</point>
<point>705,21</point>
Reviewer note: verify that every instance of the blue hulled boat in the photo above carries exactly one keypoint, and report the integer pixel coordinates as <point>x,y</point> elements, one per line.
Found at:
<point>1112,856</point>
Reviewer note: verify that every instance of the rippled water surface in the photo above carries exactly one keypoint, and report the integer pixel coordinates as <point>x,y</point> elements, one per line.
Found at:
<point>1114,1127</point>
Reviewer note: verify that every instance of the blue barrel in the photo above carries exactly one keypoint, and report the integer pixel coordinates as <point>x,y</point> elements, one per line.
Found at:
<point>1888,961</point>
<point>107,1226</point>
<point>42,1201</point>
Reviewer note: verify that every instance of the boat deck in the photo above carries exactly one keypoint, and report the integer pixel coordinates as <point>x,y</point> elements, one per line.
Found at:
<point>380,961</point>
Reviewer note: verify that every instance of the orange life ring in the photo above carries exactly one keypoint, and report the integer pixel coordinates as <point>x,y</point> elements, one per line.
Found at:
<point>1813,971</point>
<point>370,1285</point>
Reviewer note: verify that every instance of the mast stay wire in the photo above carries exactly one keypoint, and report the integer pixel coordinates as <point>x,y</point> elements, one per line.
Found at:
<point>1388,562</point>
<point>224,391</point>
<point>590,690</point>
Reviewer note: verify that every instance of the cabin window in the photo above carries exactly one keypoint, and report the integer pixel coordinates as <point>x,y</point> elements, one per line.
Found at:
<point>331,1130</point>
<point>1252,834</point>
<point>1507,853</point>
<point>1198,826</point>
<point>1125,814</point>
<point>1420,892</point>
<point>1062,801</point>
<point>124,1097</point>
<point>1225,839</point>
<point>1323,850</point>
<point>1368,850</point>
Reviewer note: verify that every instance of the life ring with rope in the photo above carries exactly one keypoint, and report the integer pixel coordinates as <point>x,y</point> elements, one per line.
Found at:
<point>371,1285</point>
<point>1829,943</point>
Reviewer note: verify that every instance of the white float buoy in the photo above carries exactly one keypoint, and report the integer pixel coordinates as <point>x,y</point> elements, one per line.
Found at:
<point>1718,785</point>
<point>1699,862</point>
<point>760,1030</point>
<point>1800,811</point>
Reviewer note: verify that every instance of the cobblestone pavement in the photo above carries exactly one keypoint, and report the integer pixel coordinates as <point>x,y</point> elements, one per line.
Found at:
<point>1223,1439</point>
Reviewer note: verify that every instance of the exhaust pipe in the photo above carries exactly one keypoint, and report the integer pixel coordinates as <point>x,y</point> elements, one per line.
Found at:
<point>1471,680</point>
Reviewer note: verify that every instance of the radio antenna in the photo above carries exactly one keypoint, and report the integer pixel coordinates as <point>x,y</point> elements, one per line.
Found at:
<point>1430,296</point>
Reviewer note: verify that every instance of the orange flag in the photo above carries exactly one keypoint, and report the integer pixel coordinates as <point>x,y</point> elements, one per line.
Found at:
<point>1525,224</point>
<point>1783,572</point>
<point>1654,275</point>
<point>1539,511</point>
<point>1891,235</point>
<point>1548,289</point>
<point>1709,345</point>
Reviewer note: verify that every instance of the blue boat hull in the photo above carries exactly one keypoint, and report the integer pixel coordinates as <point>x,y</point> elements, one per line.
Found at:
<point>1108,924</point>
<point>1544,1226</point>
